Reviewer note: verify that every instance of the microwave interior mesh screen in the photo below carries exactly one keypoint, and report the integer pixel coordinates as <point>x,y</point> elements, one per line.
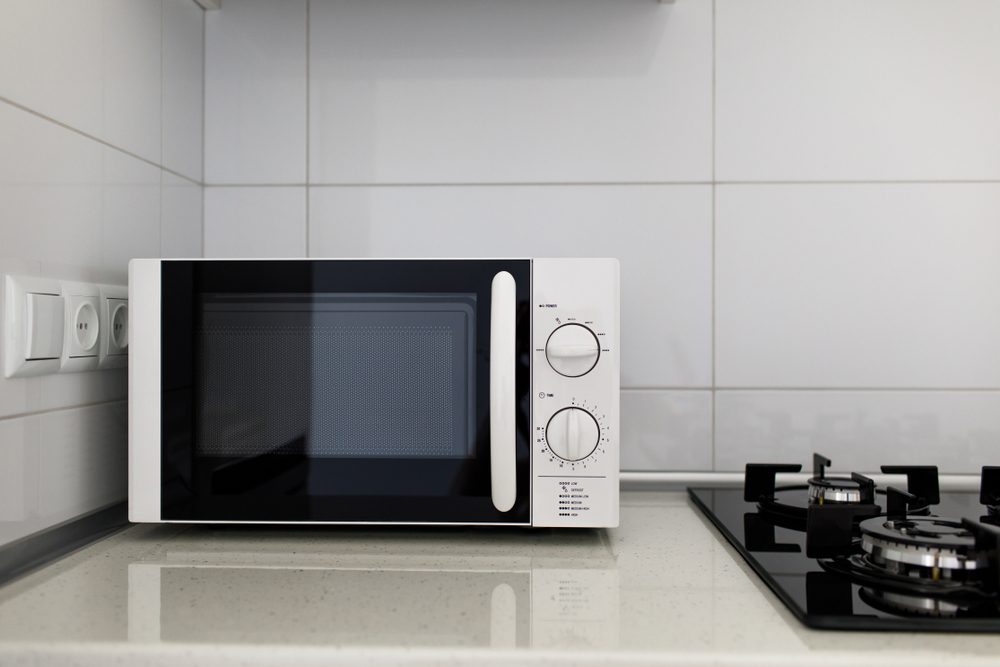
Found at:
<point>336,383</point>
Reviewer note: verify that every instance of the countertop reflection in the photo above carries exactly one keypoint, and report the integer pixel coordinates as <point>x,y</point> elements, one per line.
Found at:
<point>434,588</point>
<point>661,587</point>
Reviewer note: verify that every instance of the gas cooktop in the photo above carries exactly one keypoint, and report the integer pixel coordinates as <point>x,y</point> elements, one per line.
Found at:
<point>843,553</point>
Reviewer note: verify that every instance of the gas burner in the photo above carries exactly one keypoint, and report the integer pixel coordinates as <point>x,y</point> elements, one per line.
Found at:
<point>834,490</point>
<point>840,490</point>
<point>903,604</point>
<point>787,506</point>
<point>924,560</point>
<point>922,547</point>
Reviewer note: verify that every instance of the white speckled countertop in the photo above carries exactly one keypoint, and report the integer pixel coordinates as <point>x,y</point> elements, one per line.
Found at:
<point>662,589</point>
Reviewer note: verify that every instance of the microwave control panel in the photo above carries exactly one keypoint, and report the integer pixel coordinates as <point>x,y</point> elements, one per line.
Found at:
<point>575,391</point>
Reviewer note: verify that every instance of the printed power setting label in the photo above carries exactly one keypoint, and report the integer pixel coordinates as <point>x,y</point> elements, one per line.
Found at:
<point>574,498</point>
<point>573,501</point>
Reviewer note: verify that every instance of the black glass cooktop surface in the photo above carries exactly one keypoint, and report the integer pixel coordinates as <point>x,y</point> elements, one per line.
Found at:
<point>867,558</point>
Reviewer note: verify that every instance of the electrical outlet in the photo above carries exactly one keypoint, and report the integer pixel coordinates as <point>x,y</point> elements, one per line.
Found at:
<point>118,342</point>
<point>114,324</point>
<point>86,326</point>
<point>83,333</point>
<point>61,326</point>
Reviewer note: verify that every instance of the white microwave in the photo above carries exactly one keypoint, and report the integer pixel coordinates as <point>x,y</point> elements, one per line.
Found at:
<point>374,391</point>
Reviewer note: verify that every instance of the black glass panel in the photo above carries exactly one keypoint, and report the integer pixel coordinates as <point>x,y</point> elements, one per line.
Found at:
<point>334,390</point>
<point>328,375</point>
<point>830,600</point>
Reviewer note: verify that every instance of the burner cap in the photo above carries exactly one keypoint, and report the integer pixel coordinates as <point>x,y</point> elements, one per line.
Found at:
<point>930,547</point>
<point>910,605</point>
<point>823,490</point>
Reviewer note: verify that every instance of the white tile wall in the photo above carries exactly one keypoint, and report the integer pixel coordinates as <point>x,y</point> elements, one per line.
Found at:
<point>857,90</point>
<point>131,216</point>
<point>661,234</point>
<point>183,87</point>
<point>51,208</point>
<point>858,286</point>
<point>92,64</point>
<point>131,73</point>
<point>666,430</point>
<point>83,112</point>
<point>59,465</point>
<point>255,99</point>
<point>957,431</point>
<point>438,91</point>
<point>255,222</point>
<point>484,128</point>
<point>62,42</point>
<point>181,205</point>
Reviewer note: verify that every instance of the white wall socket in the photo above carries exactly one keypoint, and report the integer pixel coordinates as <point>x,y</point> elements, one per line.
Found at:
<point>83,326</point>
<point>52,326</point>
<point>114,322</point>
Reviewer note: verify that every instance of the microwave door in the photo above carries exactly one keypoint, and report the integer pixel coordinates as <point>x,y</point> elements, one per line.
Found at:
<point>339,391</point>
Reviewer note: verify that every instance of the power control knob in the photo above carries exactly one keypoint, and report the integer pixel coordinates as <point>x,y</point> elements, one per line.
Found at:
<point>572,434</point>
<point>572,350</point>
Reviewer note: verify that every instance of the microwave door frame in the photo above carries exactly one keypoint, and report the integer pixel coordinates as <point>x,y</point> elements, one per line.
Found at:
<point>504,340</point>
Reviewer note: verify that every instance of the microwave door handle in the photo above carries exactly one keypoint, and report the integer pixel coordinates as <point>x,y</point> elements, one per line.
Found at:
<point>503,460</point>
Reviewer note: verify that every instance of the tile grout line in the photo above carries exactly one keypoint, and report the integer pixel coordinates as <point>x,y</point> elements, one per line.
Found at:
<point>204,114</point>
<point>450,185</point>
<point>308,93</point>
<point>81,406</point>
<point>713,257</point>
<point>901,390</point>
<point>484,184</point>
<point>163,42</point>
<point>741,388</point>
<point>102,142</point>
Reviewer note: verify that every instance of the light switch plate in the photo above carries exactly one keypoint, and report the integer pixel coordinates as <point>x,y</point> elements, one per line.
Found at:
<point>44,321</point>
<point>15,326</point>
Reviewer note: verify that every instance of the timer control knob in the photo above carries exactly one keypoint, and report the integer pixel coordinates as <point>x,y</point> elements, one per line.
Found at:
<point>572,434</point>
<point>572,350</point>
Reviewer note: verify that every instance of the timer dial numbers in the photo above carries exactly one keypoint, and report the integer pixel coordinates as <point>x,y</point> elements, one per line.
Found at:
<point>572,434</point>
<point>572,350</point>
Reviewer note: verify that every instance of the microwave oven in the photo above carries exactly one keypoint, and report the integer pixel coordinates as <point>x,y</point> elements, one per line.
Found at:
<point>374,391</point>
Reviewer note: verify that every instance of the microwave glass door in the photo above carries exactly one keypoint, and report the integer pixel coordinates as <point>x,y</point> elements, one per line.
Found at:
<point>336,390</point>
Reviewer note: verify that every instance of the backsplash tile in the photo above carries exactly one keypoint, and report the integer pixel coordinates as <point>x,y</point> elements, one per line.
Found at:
<point>255,102</point>
<point>131,213</point>
<point>255,222</point>
<point>857,286</point>
<point>60,464</point>
<point>666,430</point>
<point>857,90</point>
<point>181,206</point>
<point>52,208</point>
<point>661,234</point>
<point>860,430</point>
<point>183,87</point>
<point>63,43</point>
<point>470,92</point>
<point>132,47</point>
